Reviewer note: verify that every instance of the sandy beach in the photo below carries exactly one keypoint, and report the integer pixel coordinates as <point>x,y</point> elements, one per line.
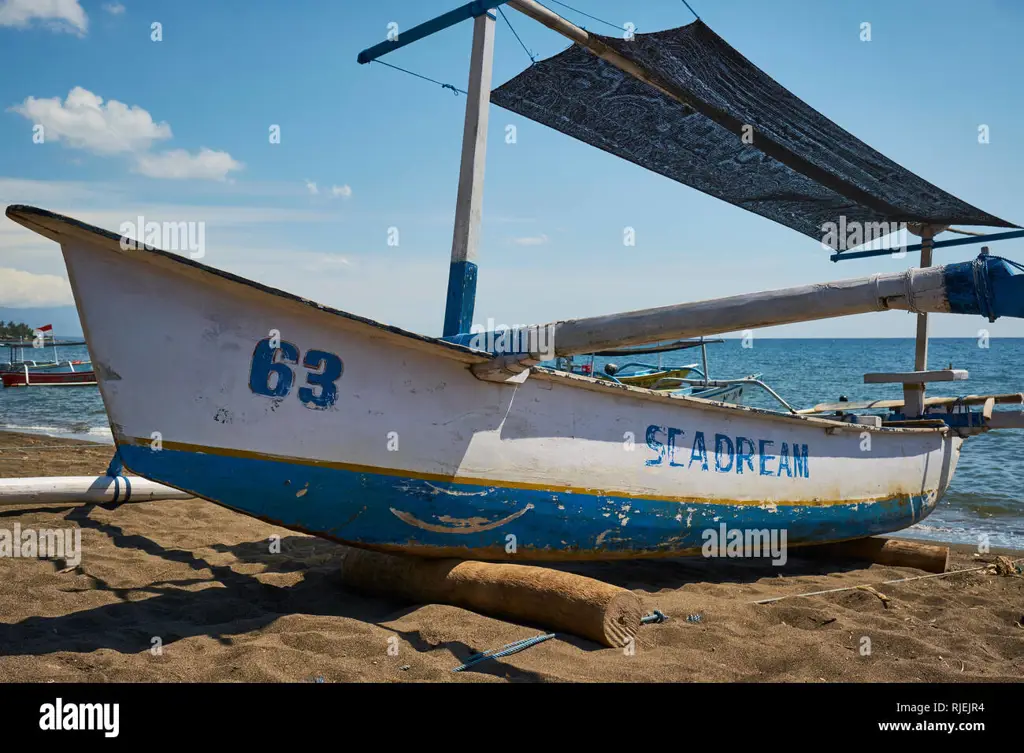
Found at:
<point>187,591</point>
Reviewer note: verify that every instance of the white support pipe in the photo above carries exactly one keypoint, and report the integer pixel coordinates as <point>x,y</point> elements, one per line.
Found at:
<point>84,489</point>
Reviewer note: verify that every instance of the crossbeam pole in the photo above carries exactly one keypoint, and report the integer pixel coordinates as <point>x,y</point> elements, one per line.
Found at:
<point>469,10</point>
<point>847,255</point>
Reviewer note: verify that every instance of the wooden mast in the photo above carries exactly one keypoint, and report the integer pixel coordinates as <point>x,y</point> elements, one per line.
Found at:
<point>458,315</point>
<point>914,393</point>
<point>921,352</point>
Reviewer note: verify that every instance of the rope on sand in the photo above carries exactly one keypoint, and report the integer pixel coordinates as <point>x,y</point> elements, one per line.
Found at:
<point>883,583</point>
<point>517,646</point>
<point>508,650</point>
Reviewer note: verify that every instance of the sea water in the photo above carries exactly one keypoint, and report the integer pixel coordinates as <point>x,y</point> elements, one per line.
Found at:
<point>986,497</point>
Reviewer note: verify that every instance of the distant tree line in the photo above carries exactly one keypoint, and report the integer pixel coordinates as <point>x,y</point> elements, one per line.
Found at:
<point>15,331</point>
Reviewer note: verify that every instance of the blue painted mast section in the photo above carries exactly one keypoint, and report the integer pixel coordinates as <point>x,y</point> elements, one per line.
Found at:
<point>442,22</point>
<point>845,255</point>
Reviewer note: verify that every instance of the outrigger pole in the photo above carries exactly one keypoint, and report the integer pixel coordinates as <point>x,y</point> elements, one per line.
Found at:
<point>988,286</point>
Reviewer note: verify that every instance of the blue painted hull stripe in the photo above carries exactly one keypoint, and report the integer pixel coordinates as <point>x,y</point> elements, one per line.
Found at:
<point>461,481</point>
<point>445,519</point>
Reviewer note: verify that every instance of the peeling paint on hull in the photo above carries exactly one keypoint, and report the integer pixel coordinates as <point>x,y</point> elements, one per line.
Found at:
<point>356,508</point>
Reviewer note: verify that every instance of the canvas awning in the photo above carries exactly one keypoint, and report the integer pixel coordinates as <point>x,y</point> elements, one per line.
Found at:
<point>801,169</point>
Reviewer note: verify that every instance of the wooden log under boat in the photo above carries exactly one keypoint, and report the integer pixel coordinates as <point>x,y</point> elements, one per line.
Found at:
<point>931,558</point>
<point>606,614</point>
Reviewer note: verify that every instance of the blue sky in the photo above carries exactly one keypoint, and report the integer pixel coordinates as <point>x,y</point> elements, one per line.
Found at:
<point>189,141</point>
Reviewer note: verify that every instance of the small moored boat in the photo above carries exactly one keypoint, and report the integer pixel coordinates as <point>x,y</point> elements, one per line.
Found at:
<point>19,371</point>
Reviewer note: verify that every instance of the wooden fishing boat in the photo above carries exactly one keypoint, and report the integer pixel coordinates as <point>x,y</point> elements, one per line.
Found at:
<point>19,371</point>
<point>27,378</point>
<point>642,375</point>
<point>323,421</point>
<point>634,373</point>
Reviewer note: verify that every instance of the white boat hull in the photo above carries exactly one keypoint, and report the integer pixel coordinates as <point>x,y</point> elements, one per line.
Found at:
<point>397,445</point>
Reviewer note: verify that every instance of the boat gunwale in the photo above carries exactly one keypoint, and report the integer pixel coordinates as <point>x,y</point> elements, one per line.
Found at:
<point>26,216</point>
<point>592,383</point>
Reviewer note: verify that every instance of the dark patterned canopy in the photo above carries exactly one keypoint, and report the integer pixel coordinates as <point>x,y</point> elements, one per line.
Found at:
<point>795,166</point>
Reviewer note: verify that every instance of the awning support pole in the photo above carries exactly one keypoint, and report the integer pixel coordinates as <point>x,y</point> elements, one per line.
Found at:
<point>914,394</point>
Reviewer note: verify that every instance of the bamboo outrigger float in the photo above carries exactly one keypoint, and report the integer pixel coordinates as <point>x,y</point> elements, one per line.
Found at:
<point>326,422</point>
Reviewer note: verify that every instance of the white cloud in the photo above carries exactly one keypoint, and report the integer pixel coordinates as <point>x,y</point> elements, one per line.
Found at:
<point>57,15</point>
<point>83,121</point>
<point>537,240</point>
<point>114,9</point>
<point>311,187</point>
<point>178,164</point>
<point>342,191</point>
<point>20,289</point>
<point>321,263</point>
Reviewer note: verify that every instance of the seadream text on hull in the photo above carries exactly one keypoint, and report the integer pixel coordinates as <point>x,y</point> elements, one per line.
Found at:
<point>327,423</point>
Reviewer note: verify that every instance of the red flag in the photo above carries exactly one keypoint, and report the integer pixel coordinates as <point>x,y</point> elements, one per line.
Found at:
<point>44,328</point>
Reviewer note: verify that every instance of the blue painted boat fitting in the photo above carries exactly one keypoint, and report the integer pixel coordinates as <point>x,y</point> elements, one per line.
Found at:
<point>458,312</point>
<point>442,22</point>
<point>116,471</point>
<point>990,286</point>
<point>116,467</point>
<point>656,617</point>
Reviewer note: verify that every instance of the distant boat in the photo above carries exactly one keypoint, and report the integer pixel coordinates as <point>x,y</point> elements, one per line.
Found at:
<point>692,380</point>
<point>47,378</point>
<point>636,373</point>
<point>19,371</point>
